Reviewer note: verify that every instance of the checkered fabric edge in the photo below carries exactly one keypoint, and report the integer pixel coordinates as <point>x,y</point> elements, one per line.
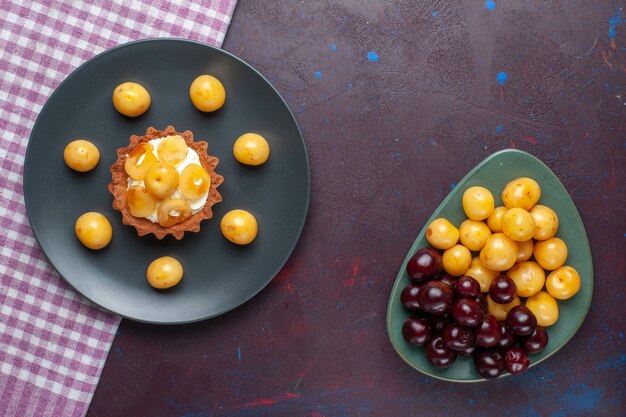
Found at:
<point>53,343</point>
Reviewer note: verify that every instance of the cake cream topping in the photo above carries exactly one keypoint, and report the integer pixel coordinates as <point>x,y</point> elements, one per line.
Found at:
<point>192,158</point>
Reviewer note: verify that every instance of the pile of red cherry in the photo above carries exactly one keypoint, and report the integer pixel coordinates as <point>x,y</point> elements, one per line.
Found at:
<point>450,317</point>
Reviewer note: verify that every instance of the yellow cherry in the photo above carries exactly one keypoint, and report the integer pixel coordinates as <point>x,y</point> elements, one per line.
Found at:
<point>442,234</point>
<point>164,272</point>
<point>544,307</point>
<point>499,252</point>
<point>494,221</point>
<point>194,181</point>
<point>518,224</point>
<point>131,99</point>
<point>173,211</point>
<point>528,276</point>
<point>138,202</point>
<point>139,161</point>
<point>239,226</point>
<point>521,192</point>
<point>481,273</point>
<point>93,230</point>
<point>81,155</point>
<point>474,234</point>
<point>251,149</point>
<point>478,203</point>
<point>456,260</point>
<point>173,150</point>
<point>207,93</point>
<point>546,222</point>
<point>525,250</point>
<point>551,253</point>
<point>499,311</point>
<point>161,180</point>
<point>563,282</point>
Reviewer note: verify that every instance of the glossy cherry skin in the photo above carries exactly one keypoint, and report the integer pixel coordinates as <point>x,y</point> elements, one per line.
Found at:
<point>488,333</point>
<point>535,342</point>
<point>425,265</point>
<point>516,360</point>
<point>469,352</point>
<point>457,337</point>
<point>416,331</point>
<point>447,279</point>
<point>437,323</point>
<point>438,354</point>
<point>468,313</point>
<point>502,289</point>
<point>521,320</point>
<point>408,297</point>
<point>507,337</point>
<point>489,363</point>
<point>435,297</point>
<point>467,287</point>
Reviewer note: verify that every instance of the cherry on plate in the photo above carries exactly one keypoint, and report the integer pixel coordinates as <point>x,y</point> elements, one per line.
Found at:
<point>408,297</point>
<point>488,333</point>
<point>435,297</point>
<point>468,313</point>
<point>502,289</point>
<point>416,331</point>
<point>425,265</point>
<point>521,320</point>
<point>507,337</point>
<point>467,287</point>
<point>516,360</point>
<point>457,337</point>
<point>438,354</point>
<point>447,279</point>
<point>489,363</point>
<point>536,341</point>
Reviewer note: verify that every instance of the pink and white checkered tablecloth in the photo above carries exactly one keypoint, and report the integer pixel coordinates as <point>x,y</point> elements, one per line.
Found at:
<point>53,343</point>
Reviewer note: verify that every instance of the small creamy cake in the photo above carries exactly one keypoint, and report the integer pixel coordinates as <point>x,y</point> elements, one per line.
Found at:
<point>164,183</point>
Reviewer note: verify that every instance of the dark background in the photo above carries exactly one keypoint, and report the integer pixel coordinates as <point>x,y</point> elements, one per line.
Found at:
<point>397,100</point>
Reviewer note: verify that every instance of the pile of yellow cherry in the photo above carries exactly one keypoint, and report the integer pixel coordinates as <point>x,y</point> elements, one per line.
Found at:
<point>161,179</point>
<point>506,239</point>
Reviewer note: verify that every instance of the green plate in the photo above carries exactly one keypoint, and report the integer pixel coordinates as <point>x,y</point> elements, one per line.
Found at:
<point>494,173</point>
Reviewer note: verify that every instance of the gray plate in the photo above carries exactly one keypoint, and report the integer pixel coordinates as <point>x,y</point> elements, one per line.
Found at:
<point>218,274</point>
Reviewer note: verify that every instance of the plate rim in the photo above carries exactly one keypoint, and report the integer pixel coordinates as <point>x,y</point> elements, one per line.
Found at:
<point>412,249</point>
<point>291,115</point>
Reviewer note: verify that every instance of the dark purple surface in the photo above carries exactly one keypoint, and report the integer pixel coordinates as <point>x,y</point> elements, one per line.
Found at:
<point>397,101</point>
